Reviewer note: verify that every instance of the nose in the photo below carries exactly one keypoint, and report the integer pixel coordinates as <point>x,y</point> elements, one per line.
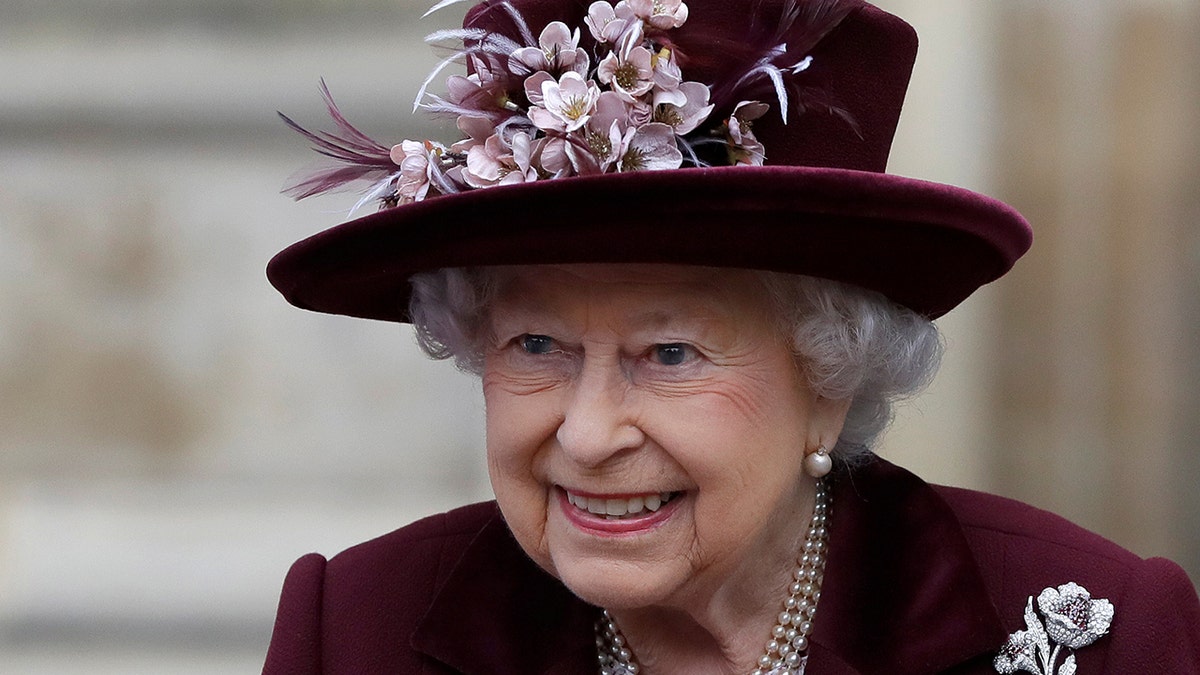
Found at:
<point>599,420</point>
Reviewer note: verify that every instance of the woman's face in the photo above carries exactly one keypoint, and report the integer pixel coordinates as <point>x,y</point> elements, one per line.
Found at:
<point>646,427</point>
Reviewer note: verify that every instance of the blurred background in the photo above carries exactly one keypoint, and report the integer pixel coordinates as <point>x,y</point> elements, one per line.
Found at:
<point>173,435</point>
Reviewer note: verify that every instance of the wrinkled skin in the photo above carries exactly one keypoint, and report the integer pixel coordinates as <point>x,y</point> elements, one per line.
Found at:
<point>623,380</point>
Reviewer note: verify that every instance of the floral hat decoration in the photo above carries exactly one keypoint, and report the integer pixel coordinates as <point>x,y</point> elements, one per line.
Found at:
<point>728,133</point>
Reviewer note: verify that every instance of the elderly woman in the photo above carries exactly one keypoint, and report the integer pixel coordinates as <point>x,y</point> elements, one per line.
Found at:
<point>668,247</point>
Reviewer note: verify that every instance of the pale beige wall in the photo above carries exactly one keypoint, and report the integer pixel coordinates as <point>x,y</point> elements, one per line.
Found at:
<point>1098,392</point>
<point>1069,383</point>
<point>945,135</point>
<point>172,434</point>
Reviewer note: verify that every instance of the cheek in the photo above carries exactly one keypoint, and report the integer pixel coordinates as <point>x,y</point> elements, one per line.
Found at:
<point>743,446</point>
<point>511,445</point>
<point>747,489</point>
<point>517,432</point>
<point>750,417</point>
<point>518,425</point>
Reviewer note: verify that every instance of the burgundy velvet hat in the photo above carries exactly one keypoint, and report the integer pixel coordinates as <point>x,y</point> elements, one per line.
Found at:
<point>549,171</point>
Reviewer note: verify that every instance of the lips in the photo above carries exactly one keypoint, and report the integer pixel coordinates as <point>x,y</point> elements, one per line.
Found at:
<point>620,508</point>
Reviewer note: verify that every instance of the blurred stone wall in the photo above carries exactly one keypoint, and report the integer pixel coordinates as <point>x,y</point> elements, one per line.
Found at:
<point>1072,383</point>
<point>1096,391</point>
<point>173,435</point>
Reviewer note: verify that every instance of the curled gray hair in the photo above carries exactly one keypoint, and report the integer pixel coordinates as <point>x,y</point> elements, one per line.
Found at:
<point>851,343</point>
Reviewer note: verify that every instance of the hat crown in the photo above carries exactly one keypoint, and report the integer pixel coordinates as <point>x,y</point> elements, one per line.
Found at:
<point>844,108</point>
<point>822,205</point>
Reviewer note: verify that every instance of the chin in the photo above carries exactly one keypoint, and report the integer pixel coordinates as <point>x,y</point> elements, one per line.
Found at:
<point>616,584</point>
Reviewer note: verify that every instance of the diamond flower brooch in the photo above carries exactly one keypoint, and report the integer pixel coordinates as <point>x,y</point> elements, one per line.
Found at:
<point>1073,620</point>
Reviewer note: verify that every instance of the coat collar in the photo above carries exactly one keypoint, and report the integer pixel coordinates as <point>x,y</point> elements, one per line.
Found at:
<point>902,592</point>
<point>902,595</point>
<point>500,614</point>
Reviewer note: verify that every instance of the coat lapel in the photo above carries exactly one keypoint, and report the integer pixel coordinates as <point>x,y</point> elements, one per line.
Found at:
<point>500,614</point>
<point>902,592</point>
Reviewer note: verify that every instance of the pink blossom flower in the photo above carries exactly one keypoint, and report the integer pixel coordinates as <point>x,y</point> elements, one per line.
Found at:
<point>524,153</point>
<point>566,104</point>
<point>535,109</point>
<point>610,107</point>
<point>686,116</point>
<point>744,148</point>
<point>557,52</point>
<point>413,158</point>
<point>485,90</point>
<point>662,14</point>
<point>1073,618</point>
<point>628,70</point>
<point>650,148</point>
<point>608,24</point>
<point>554,156</point>
<point>533,86</point>
<point>600,142</point>
<point>460,89</point>
<point>640,113</point>
<point>488,162</point>
<point>477,129</point>
<point>667,78</point>
<point>498,163</point>
<point>537,159</point>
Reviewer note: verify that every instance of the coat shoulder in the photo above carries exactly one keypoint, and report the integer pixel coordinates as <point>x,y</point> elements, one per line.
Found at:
<point>406,567</point>
<point>992,521</point>
<point>439,538</point>
<point>402,571</point>
<point>1022,550</point>
<point>357,612</point>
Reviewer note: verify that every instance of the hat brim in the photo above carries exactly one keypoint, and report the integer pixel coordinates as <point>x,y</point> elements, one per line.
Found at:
<point>924,245</point>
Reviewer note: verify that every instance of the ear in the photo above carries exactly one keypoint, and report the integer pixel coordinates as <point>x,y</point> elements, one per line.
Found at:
<point>826,420</point>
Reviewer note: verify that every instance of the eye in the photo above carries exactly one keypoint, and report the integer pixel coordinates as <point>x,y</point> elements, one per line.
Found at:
<point>672,354</point>
<point>536,344</point>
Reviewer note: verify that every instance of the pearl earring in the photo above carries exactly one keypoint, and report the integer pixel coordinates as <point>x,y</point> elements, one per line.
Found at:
<point>818,464</point>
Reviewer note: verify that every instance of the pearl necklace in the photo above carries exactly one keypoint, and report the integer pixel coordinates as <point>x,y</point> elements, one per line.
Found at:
<point>787,651</point>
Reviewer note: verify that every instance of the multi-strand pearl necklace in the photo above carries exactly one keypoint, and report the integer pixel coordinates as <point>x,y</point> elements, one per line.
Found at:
<point>787,651</point>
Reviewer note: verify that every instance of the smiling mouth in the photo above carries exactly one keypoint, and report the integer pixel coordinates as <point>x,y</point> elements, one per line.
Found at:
<point>621,508</point>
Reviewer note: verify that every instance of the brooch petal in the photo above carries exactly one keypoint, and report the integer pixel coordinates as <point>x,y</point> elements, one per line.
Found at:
<point>1073,620</point>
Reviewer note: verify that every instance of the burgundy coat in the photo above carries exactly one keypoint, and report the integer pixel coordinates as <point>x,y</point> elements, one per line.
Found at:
<point>919,579</point>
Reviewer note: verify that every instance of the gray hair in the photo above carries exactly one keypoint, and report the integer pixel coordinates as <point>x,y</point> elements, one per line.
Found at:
<point>850,342</point>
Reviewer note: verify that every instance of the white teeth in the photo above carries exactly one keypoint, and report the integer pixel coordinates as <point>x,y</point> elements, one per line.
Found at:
<point>653,502</point>
<point>614,509</point>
